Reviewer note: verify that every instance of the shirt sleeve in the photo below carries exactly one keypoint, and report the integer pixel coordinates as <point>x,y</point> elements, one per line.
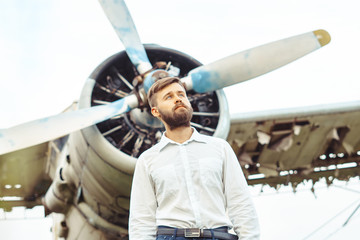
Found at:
<point>142,221</point>
<point>240,206</point>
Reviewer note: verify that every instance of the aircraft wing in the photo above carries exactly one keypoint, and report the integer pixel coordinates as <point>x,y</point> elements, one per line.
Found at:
<point>289,145</point>
<point>26,174</point>
<point>23,177</point>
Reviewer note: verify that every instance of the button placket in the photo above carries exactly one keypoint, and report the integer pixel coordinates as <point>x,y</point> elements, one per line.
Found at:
<point>190,186</point>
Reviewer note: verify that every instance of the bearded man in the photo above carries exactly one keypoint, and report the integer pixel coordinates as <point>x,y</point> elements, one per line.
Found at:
<point>189,185</point>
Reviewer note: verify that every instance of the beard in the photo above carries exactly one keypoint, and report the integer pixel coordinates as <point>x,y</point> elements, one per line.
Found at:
<point>177,118</point>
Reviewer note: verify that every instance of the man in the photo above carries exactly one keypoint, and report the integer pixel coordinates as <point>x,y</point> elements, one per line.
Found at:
<point>189,186</point>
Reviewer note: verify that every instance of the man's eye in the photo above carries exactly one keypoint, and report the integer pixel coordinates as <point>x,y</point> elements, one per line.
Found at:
<point>168,97</point>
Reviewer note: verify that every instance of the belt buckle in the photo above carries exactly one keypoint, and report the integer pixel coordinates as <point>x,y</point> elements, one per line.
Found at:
<point>192,232</point>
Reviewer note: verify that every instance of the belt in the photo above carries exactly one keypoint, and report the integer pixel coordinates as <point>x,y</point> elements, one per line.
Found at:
<point>197,233</point>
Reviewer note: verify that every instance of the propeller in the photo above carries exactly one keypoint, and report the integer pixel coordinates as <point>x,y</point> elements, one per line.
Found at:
<point>254,62</point>
<point>45,129</point>
<point>225,72</point>
<point>120,18</point>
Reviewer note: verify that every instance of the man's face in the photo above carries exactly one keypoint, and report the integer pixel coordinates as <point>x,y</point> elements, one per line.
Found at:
<point>173,106</point>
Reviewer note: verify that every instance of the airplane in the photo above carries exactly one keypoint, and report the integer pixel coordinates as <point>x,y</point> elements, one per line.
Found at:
<point>84,174</point>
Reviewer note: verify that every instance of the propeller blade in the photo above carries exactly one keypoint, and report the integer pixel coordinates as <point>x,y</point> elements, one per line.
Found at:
<point>46,129</point>
<point>120,18</point>
<point>254,62</point>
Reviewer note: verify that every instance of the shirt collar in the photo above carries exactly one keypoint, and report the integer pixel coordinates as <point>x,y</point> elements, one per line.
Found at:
<point>196,136</point>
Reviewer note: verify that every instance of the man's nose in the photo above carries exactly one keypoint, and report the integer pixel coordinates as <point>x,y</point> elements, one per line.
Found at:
<point>177,100</point>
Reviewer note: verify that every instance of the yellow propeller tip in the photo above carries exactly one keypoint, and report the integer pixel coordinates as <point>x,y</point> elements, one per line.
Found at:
<point>322,36</point>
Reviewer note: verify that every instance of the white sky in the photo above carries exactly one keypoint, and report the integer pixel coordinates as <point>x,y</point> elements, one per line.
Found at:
<point>48,48</point>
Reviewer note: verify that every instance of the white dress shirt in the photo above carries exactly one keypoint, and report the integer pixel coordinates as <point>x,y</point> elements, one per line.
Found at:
<point>196,184</point>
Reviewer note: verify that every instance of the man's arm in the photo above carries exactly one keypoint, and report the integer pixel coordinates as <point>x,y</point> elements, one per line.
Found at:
<point>241,209</point>
<point>142,222</point>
